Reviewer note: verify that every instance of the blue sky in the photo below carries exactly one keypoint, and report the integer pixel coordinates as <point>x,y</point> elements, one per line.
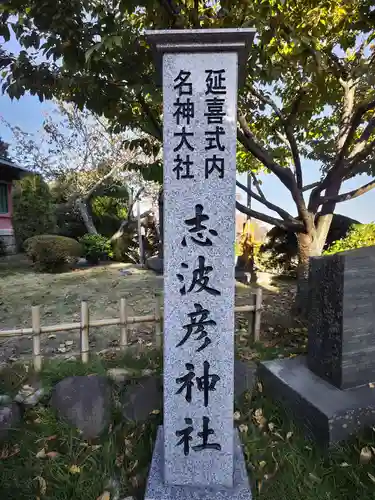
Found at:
<point>28,113</point>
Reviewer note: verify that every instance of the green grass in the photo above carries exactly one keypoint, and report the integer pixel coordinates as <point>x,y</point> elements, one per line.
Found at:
<point>122,456</point>
<point>282,465</point>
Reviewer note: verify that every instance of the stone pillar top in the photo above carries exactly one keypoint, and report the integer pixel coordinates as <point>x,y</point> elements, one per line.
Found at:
<point>202,40</point>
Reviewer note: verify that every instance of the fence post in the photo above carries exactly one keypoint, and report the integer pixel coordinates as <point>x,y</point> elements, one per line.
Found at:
<point>158,329</point>
<point>84,332</point>
<point>35,324</point>
<point>257,314</point>
<point>123,327</point>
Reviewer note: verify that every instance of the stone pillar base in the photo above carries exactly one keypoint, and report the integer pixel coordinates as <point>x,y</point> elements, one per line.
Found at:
<point>326,413</point>
<point>157,490</point>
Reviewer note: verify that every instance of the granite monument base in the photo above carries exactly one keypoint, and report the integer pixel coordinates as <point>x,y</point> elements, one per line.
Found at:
<point>327,414</point>
<point>157,490</point>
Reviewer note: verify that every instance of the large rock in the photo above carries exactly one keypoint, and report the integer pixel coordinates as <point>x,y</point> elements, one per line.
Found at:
<point>10,416</point>
<point>141,397</point>
<point>84,402</point>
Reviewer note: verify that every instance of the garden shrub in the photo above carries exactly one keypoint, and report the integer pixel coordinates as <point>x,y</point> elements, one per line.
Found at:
<point>360,235</point>
<point>33,209</point>
<point>69,221</point>
<point>52,253</point>
<point>95,247</point>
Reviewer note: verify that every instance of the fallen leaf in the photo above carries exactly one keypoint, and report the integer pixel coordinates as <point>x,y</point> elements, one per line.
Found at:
<point>74,469</point>
<point>243,428</point>
<point>344,464</point>
<point>371,477</point>
<point>105,496</point>
<point>41,453</point>
<point>289,435</point>
<point>236,415</point>
<point>262,464</point>
<point>42,485</point>
<point>365,455</point>
<point>155,412</point>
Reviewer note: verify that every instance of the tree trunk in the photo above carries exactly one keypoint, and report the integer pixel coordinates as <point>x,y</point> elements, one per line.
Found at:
<point>86,216</point>
<point>322,231</point>
<point>307,247</point>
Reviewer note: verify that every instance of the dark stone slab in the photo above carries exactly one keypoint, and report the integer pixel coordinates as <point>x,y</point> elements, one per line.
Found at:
<point>341,346</point>
<point>158,490</point>
<point>84,402</point>
<point>155,264</point>
<point>244,378</point>
<point>326,284</point>
<point>326,413</point>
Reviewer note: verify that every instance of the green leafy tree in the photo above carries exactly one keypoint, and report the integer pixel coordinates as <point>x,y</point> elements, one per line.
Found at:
<point>83,160</point>
<point>309,93</point>
<point>33,209</point>
<point>280,250</point>
<point>360,235</point>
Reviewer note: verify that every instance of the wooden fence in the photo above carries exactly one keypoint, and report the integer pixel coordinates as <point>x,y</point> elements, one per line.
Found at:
<point>36,330</point>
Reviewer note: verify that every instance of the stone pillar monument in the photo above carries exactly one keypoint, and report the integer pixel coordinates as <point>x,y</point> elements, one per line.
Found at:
<point>197,453</point>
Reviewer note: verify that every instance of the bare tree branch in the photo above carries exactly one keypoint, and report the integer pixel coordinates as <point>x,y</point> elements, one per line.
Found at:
<point>257,184</point>
<point>361,144</point>
<point>350,195</point>
<point>354,124</point>
<point>284,174</point>
<point>310,186</point>
<point>288,131</point>
<point>287,225</point>
<point>339,169</point>
<point>283,213</point>
<point>246,137</point>
<point>295,106</point>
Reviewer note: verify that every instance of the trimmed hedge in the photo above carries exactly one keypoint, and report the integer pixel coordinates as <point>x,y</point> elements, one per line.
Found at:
<point>52,253</point>
<point>95,247</point>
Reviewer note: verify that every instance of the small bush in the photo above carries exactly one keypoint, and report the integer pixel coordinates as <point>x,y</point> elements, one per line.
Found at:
<point>52,253</point>
<point>95,247</point>
<point>33,209</point>
<point>360,235</point>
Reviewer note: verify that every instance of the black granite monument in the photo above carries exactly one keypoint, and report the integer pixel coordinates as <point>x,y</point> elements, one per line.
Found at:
<point>330,391</point>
